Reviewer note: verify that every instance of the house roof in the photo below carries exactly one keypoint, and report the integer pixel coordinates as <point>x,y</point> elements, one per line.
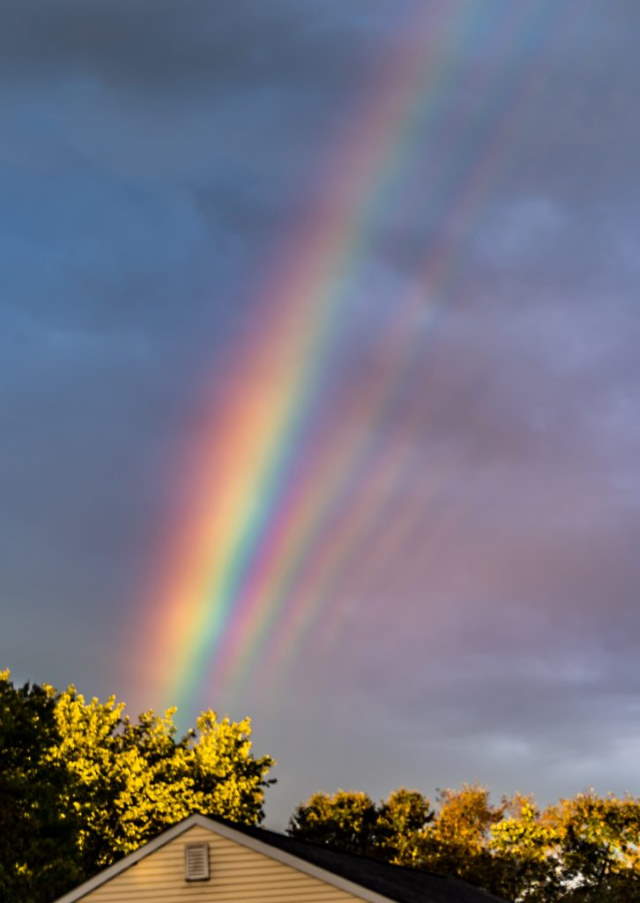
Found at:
<point>403,885</point>
<point>369,879</point>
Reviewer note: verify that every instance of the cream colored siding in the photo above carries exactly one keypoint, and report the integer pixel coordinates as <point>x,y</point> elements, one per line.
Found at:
<point>238,874</point>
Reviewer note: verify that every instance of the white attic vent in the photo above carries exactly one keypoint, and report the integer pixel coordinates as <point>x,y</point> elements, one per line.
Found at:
<point>196,862</point>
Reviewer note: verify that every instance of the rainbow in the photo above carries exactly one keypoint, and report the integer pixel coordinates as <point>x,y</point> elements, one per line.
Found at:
<point>264,539</point>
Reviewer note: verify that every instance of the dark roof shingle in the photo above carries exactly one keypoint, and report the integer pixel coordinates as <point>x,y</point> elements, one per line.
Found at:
<point>404,885</point>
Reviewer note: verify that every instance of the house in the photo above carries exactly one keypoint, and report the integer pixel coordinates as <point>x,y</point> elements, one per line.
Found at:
<point>208,860</point>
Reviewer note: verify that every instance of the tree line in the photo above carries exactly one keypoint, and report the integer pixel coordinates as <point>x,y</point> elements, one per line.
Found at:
<point>584,849</point>
<point>82,784</point>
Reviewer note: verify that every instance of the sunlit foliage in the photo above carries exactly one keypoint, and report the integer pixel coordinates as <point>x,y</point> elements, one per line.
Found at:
<point>581,850</point>
<point>99,784</point>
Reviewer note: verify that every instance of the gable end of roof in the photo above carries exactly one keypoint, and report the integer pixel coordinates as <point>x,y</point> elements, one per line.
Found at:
<point>235,835</point>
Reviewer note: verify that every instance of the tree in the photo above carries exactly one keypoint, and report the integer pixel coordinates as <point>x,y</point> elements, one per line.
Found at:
<point>455,842</point>
<point>599,846</point>
<point>351,821</point>
<point>526,855</point>
<point>119,782</point>
<point>400,826</point>
<point>37,833</point>
<point>132,779</point>
<point>344,821</point>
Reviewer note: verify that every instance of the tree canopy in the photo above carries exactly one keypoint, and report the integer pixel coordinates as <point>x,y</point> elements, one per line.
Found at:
<point>82,784</point>
<point>580,850</point>
<point>37,831</point>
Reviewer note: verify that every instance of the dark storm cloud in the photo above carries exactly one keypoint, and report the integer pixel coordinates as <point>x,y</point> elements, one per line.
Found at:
<point>202,96</point>
<point>199,48</point>
<point>154,48</point>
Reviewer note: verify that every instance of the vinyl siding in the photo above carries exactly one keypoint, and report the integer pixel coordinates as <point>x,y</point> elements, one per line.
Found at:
<point>237,874</point>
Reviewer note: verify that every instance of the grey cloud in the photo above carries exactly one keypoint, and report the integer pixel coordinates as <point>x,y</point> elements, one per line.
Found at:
<point>156,48</point>
<point>530,227</point>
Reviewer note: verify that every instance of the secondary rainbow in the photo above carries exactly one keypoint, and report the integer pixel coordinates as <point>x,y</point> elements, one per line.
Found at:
<point>376,527</point>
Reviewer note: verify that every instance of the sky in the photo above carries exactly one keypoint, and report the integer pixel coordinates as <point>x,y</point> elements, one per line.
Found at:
<point>465,602</point>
